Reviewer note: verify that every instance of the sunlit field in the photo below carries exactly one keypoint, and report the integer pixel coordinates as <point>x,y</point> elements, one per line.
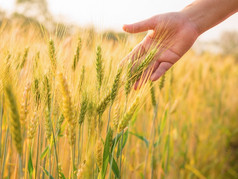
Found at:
<point>69,110</point>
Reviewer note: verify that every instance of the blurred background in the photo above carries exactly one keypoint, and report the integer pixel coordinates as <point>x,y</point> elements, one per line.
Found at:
<point>109,16</point>
<point>197,107</point>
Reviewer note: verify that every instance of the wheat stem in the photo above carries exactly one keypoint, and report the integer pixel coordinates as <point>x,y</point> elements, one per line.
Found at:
<point>37,152</point>
<point>113,149</point>
<point>49,172</point>
<point>72,160</point>
<point>1,119</point>
<point>5,153</point>
<point>109,117</point>
<point>20,166</point>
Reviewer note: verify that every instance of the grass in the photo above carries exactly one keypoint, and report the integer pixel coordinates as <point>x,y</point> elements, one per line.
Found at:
<point>78,116</point>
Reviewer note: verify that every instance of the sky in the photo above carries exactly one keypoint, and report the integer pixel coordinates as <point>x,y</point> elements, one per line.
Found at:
<point>112,14</point>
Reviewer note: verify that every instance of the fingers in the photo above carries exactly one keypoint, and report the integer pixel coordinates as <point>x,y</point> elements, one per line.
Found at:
<point>144,78</point>
<point>139,51</point>
<point>161,62</point>
<point>147,73</point>
<point>142,26</point>
<point>163,67</point>
<point>167,59</point>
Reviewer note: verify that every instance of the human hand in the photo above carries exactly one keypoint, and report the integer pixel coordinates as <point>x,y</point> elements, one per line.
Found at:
<point>172,33</point>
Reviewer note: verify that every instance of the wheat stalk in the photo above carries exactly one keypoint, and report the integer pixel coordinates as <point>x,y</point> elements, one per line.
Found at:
<point>128,115</point>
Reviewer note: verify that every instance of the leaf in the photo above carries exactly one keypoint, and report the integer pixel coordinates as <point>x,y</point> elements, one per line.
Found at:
<point>115,168</point>
<point>157,142</point>
<point>124,138</point>
<point>61,175</point>
<point>141,138</point>
<point>116,139</point>
<point>106,153</point>
<point>163,122</point>
<point>134,117</point>
<point>44,153</point>
<point>30,165</point>
<point>167,148</point>
<point>47,173</point>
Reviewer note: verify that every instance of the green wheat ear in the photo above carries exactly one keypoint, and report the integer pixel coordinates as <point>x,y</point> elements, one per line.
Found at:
<point>52,55</point>
<point>99,66</point>
<point>24,58</point>
<point>36,90</point>
<point>15,125</point>
<point>161,84</point>
<point>83,110</point>
<point>47,90</point>
<point>128,83</point>
<point>116,85</point>
<point>77,54</point>
<point>47,124</point>
<point>99,153</point>
<point>128,115</point>
<point>143,65</point>
<point>152,94</point>
<point>82,76</point>
<point>116,117</point>
<point>104,103</point>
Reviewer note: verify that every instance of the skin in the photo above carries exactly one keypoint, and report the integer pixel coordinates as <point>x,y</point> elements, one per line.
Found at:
<point>182,28</point>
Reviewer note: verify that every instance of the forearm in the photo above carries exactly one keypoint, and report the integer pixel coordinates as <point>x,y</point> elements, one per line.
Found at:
<point>207,13</point>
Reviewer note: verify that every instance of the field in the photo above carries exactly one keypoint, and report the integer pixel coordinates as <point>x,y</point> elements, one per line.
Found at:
<point>68,110</point>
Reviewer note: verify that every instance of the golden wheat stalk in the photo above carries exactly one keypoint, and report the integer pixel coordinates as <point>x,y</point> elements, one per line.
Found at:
<point>67,105</point>
<point>68,109</point>
<point>152,94</point>
<point>83,109</point>
<point>77,54</point>
<point>128,115</point>
<point>115,119</point>
<point>32,126</point>
<point>104,103</point>
<point>47,124</point>
<point>99,154</point>
<point>52,55</point>
<point>25,104</point>
<point>116,85</point>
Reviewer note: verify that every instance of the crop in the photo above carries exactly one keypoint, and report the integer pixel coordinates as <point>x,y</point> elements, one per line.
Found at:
<point>68,110</point>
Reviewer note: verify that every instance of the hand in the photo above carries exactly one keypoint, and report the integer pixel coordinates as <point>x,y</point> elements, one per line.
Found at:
<point>172,33</point>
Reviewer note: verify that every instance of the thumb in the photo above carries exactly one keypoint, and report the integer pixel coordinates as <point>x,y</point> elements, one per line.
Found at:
<point>142,26</point>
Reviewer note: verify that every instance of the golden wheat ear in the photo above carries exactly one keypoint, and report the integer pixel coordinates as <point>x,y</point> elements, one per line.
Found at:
<point>128,115</point>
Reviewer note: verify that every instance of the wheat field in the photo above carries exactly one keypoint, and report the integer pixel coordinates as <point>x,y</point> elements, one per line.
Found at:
<point>69,110</point>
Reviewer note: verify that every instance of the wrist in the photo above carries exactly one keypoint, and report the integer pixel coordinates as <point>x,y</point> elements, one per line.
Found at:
<point>205,14</point>
<point>191,12</point>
